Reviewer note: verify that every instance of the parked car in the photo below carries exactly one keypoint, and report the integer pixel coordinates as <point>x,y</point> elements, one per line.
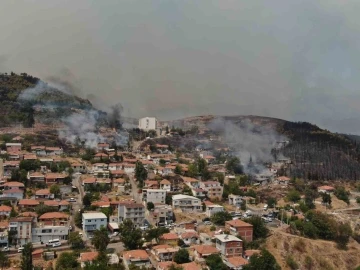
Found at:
<point>20,249</point>
<point>6,249</point>
<point>208,223</point>
<point>72,200</point>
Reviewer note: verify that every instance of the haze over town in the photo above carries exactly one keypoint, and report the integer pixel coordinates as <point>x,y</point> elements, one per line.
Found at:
<point>172,59</point>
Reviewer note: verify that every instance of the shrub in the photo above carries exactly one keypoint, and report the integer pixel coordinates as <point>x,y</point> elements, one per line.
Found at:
<point>291,262</point>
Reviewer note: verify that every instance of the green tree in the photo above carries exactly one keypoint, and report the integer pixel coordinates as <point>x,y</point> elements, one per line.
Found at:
<point>87,200</point>
<point>100,239</point>
<point>342,194</point>
<point>214,262</point>
<point>293,195</point>
<point>259,228</point>
<point>55,189</point>
<point>182,256</point>
<point>271,202</point>
<point>78,220</point>
<point>67,260</point>
<point>53,167</point>
<point>150,206</point>
<point>75,240</point>
<point>174,267</point>
<point>130,236</point>
<point>42,209</point>
<point>155,233</point>
<point>192,170</point>
<point>4,260</point>
<point>186,190</point>
<point>30,165</point>
<point>26,257</point>
<point>326,198</point>
<point>233,165</point>
<point>140,174</point>
<point>263,261</point>
<point>178,169</point>
<point>343,234</point>
<point>13,213</point>
<point>310,197</point>
<point>219,218</point>
<point>162,162</point>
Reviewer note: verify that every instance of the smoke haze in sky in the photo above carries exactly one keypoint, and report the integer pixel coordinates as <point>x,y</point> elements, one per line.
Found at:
<point>297,60</point>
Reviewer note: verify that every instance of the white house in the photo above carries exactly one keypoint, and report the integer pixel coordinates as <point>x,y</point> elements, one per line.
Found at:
<point>235,200</point>
<point>129,168</point>
<point>186,203</point>
<point>211,208</point>
<point>5,210</point>
<point>133,211</point>
<point>22,226</point>
<point>13,193</point>
<point>137,257</point>
<point>153,195</point>
<point>93,221</point>
<point>165,185</point>
<point>43,234</point>
<point>148,123</point>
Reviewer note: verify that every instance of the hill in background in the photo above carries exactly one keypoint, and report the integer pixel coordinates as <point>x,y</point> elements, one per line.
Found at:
<point>24,98</point>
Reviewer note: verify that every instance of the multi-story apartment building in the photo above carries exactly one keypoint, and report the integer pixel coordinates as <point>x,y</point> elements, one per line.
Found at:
<point>239,227</point>
<point>213,188</point>
<point>22,226</point>
<point>186,203</point>
<point>44,233</point>
<point>153,195</point>
<point>93,221</point>
<point>148,123</point>
<point>133,211</point>
<point>229,245</point>
<point>163,213</point>
<point>235,200</point>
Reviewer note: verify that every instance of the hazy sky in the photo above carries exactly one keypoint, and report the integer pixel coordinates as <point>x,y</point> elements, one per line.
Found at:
<point>297,60</point>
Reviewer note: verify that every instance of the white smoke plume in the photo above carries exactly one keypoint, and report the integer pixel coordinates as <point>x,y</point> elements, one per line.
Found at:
<point>82,126</point>
<point>33,92</point>
<point>248,141</point>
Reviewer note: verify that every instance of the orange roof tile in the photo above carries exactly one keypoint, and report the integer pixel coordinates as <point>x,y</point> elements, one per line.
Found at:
<point>28,202</point>
<point>237,261</point>
<point>5,208</point>
<point>169,236</point>
<point>206,249</point>
<point>136,254</point>
<point>53,215</point>
<point>88,256</point>
<point>238,223</point>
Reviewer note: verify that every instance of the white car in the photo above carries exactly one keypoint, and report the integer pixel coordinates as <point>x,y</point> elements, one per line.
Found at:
<point>6,249</point>
<point>20,249</point>
<point>207,223</point>
<point>72,200</point>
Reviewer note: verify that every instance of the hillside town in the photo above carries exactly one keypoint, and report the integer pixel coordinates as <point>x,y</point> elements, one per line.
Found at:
<point>150,204</point>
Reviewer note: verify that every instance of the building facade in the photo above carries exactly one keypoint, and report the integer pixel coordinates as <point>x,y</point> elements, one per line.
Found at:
<point>133,211</point>
<point>148,123</point>
<point>93,221</point>
<point>153,195</point>
<point>186,203</point>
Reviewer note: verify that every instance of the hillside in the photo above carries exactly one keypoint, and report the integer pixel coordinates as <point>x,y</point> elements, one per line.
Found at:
<point>315,153</point>
<point>24,98</point>
<point>320,254</point>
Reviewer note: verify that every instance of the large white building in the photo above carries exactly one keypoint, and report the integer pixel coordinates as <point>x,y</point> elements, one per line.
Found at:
<point>93,221</point>
<point>153,195</point>
<point>148,123</point>
<point>46,233</point>
<point>186,203</point>
<point>133,211</point>
<point>22,226</point>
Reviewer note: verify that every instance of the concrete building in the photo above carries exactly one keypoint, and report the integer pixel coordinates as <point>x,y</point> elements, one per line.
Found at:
<point>163,213</point>
<point>23,227</point>
<point>41,233</point>
<point>239,227</point>
<point>186,203</point>
<point>93,221</point>
<point>137,257</point>
<point>153,195</point>
<point>133,211</point>
<point>213,188</point>
<point>148,123</point>
<point>229,245</point>
<point>235,200</point>
<point>211,208</point>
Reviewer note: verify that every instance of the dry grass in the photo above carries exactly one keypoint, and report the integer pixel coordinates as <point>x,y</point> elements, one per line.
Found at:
<point>312,254</point>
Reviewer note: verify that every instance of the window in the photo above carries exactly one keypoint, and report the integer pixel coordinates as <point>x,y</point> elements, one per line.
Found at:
<point>89,220</point>
<point>102,219</point>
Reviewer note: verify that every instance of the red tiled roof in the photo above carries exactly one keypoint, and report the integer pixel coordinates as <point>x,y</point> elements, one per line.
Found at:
<point>190,266</point>
<point>45,191</point>
<point>136,254</point>
<point>169,236</point>
<point>237,261</point>
<point>53,215</point>
<point>88,256</point>
<point>28,202</point>
<point>238,223</point>
<point>14,184</point>
<point>5,208</point>
<point>206,249</point>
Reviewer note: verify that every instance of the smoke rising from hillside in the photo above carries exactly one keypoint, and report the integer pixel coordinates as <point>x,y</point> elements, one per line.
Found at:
<point>248,141</point>
<point>296,60</point>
